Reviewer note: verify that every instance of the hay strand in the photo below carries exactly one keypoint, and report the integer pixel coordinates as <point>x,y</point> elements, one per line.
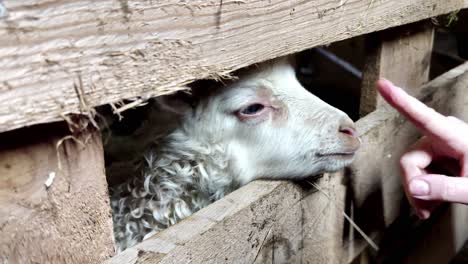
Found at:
<point>341,210</point>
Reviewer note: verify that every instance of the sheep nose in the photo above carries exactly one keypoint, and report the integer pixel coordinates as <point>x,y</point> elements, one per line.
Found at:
<point>347,127</point>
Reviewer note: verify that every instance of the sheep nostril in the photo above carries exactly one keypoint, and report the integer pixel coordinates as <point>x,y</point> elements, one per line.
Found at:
<point>348,131</point>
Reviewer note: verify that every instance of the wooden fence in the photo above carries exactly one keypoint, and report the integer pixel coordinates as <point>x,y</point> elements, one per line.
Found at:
<point>64,57</point>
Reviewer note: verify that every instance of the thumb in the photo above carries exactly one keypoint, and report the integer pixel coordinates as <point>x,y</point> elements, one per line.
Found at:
<point>435,187</point>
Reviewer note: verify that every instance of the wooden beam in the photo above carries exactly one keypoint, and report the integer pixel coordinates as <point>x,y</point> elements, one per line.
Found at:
<point>59,57</point>
<point>402,55</point>
<point>54,204</point>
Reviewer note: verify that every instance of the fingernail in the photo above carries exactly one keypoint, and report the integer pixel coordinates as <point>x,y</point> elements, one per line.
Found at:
<point>419,188</point>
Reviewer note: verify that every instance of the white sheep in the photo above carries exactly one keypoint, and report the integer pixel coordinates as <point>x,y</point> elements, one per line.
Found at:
<point>264,125</point>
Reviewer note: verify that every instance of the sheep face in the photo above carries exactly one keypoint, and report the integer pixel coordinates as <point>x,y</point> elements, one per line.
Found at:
<point>272,127</point>
<point>263,125</point>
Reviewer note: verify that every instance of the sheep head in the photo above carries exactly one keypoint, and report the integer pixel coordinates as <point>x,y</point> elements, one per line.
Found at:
<point>270,126</point>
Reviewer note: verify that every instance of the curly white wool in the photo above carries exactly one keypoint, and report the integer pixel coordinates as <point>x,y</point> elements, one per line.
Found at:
<point>180,176</point>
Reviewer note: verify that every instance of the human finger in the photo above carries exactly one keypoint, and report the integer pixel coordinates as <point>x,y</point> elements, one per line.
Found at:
<point>416,159</point>
<point>436,187</point>
<point>461,144</point>
<point>424,117</point>
<point>413,164</point>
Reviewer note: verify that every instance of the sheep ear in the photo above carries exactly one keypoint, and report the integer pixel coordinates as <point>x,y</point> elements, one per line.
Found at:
<point>179,103</point>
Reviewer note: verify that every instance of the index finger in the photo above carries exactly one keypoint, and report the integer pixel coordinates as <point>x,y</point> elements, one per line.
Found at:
<point>424,117</point>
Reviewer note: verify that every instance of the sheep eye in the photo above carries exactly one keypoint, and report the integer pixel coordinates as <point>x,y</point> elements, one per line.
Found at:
<point>252,109</point>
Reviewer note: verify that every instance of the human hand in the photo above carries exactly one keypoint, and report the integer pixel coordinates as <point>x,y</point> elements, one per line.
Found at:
<point>444,137</point>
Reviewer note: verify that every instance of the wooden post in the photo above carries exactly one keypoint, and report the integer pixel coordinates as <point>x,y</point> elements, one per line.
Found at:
<point>54,204</point>
<point>402,55</point>
<point>323,221</point>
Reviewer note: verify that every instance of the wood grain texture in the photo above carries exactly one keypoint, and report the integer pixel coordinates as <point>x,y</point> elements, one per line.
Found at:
<point>323,222</point>
<point>402,55</point>
<point>59,57</point>
<point>68,222</point>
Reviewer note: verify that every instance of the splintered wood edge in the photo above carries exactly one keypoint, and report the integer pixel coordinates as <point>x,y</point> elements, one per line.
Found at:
<point>60,57</point>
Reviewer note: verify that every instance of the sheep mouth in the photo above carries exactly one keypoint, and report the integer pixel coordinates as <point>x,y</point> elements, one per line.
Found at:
<point>349,154</point>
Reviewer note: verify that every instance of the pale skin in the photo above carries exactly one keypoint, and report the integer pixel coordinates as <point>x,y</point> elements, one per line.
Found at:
<point>444,137</point>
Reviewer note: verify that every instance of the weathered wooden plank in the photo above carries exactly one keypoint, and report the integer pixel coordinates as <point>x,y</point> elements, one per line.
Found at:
<point>323,222</point>
<point>402,55</point>
<point>258,223</point>
<point>263,222</point>
<point>67,222</point>
<point>59,57</point>
<point>377,195</point>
